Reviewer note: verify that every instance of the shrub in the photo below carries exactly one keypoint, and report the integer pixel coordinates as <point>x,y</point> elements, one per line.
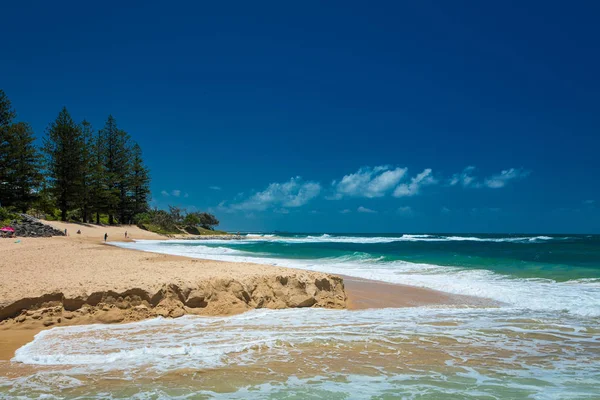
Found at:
<point>7,216</point>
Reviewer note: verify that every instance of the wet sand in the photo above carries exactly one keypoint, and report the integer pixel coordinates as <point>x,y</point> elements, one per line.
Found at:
<point>12,339</point>
<point>361,294</point>
<point>364,294</point>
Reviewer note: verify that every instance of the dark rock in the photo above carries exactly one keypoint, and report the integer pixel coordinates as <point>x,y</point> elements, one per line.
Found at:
<point>29,226</point>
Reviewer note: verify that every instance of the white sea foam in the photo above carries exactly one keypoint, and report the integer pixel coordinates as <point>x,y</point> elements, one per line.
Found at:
<point>261,337</point>
<point>326,238</point>
<point>580,297</point>
<point>210,342</point>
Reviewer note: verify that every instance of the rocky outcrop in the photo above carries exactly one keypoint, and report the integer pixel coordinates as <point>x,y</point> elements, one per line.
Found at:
<point>215,296</point>
<point>29,226</point>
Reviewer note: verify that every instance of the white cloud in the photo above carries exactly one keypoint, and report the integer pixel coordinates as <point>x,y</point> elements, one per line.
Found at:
<point>446,210</point>
<point>186,195</point>
<point>345,211</point>
<point>590,202</point>
<point>465,178</point>
<point>174,193</point>
<point>405,211</point>
<point>501,179</point>
<point>362,209</point>
<point>368,182</point>
<point>214,187</point>
<point>425,178</point>
<point>294,193</point>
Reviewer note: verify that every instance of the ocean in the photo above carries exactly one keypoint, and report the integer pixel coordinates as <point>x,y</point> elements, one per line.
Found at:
<point>542,342</point>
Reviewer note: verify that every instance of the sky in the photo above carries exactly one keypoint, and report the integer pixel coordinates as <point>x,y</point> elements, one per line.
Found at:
<point>424,116</point>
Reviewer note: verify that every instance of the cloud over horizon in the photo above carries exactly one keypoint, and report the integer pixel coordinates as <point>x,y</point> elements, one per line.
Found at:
<point>362,209</point>
<point>425,178</point>
<point>290,194</point>
<point>505,176</point>
<point>467,179</point>
<point>368,182</point>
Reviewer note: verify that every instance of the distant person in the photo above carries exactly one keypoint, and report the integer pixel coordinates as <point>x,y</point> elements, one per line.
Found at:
<point>125,234</point>
<point>66,232</point>
<point>79,231</point>
<point>105,237</point>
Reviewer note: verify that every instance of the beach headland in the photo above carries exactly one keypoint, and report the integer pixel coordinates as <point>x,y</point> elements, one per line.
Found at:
<point>78,279</point>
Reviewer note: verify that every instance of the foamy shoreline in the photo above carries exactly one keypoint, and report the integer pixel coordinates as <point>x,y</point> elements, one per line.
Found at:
<point>77,279</point>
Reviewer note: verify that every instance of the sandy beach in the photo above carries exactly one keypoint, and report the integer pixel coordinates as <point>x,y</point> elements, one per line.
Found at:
<point>338,325</point>
<point>79,279</point>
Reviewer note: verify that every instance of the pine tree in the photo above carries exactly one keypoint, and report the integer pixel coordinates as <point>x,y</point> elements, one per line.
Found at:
<point>87,163</point>
<point>21,176</point>
<point>140,181</point>
<point>109,154</point>
<point>116,162</point>
<point>7,114</point>
<point>19,169</point>
<point>63,148</point>
<point>98,178</point>
<point>24,166</point>
<point>123,163</point>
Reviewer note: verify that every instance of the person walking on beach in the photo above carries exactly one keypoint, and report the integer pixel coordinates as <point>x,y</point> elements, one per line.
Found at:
<point>125,234</point>
<point>105,236</point>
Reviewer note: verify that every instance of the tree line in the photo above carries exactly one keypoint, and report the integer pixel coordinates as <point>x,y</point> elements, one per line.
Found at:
<point>78,173</point>
<point>176,220</point>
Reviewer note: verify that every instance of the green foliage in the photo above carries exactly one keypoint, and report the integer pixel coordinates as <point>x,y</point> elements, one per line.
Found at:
<point>204,232</point>
<point>107,172</point>
<point>177,220</point>
<point>64,162</point>
<point>194,220</point>
<point>159,221</point>
<point>208,221</point>
<point>20,175</point>
<point>19,160</point>
<point>44,205</point>
<point>160,230</point>
<point>7,216</point>
<point>82,175</point>
<point>177,214</point>
<point>98,184</point>
<point>140,182</point>
<point>117,156</point>
<point>7,114</point>
<point>87,164</point>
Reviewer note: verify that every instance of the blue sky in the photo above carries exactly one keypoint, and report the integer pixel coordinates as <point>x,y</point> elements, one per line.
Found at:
<point>333,116</point>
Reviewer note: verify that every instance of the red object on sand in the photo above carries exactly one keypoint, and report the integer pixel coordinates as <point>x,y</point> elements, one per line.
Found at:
<point>7,229</point>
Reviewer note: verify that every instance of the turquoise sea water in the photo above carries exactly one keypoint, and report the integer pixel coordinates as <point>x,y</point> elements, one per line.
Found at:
<point>543,342</point>
<point>558,257</point>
